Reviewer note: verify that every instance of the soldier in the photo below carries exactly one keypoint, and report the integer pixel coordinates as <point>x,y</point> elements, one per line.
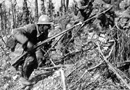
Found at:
<point>28,36</point>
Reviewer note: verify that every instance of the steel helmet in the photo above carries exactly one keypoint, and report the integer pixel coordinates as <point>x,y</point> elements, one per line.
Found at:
<point>44,19</point>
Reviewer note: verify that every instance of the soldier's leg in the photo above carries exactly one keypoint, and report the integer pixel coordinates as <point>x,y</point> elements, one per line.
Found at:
<point>39,55</point>
<point>29,65</point>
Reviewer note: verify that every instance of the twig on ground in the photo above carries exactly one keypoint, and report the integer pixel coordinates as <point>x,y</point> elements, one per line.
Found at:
<point>86,72</point>
<point>121,30</point>
<point>56,66</point>
<point>111,51</point>
<point>95,66</point>
<point>92,81</point>
<point>123,74</point>
<point>52,62</point>
<point>114,69</point>
<point>63,79</point>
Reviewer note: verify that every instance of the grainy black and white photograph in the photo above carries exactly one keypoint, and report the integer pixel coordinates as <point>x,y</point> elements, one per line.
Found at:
<point>64,45</point>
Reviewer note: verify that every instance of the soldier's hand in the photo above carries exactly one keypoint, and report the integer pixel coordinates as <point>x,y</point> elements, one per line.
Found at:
<point>30,47</point>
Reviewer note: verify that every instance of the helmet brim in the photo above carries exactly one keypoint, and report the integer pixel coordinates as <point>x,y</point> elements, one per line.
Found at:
<point>45,23</point>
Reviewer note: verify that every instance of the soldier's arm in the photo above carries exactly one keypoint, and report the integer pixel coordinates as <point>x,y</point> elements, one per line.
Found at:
<point>13,46</point>
<point>42,37</point>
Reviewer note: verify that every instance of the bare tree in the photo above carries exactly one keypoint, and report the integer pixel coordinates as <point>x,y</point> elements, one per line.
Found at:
<point>25,13</point>
<point>51,8</point>
<point>13,8</point>
<point>63,9</point>
<point>67,5</point>
<point>43,9</point>
<point>1,16</point>
<point>4,18</point>
<point>64,6</point>
<point>36,10</point>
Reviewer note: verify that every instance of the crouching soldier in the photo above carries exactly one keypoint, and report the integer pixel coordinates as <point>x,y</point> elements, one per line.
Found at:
<point>28,36</point>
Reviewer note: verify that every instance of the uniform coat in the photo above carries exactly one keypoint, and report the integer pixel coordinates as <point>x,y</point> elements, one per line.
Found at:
<point>27,36</point>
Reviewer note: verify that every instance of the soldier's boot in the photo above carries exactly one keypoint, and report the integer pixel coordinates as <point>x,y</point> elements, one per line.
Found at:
<point>24,83</point>
<point>29,65</point>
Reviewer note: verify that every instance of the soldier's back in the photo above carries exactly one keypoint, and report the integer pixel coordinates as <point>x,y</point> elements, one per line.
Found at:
<point>30,28</point>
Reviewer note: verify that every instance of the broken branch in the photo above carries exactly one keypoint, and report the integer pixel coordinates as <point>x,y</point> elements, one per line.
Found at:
<point>114,69</point>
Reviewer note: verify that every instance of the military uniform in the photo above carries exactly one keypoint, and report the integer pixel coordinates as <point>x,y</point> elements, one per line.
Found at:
<point>28,36</point>
<point>25,35</point>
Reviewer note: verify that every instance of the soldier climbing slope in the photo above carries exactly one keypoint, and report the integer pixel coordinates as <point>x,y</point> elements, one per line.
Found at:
<point>28,36</point>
